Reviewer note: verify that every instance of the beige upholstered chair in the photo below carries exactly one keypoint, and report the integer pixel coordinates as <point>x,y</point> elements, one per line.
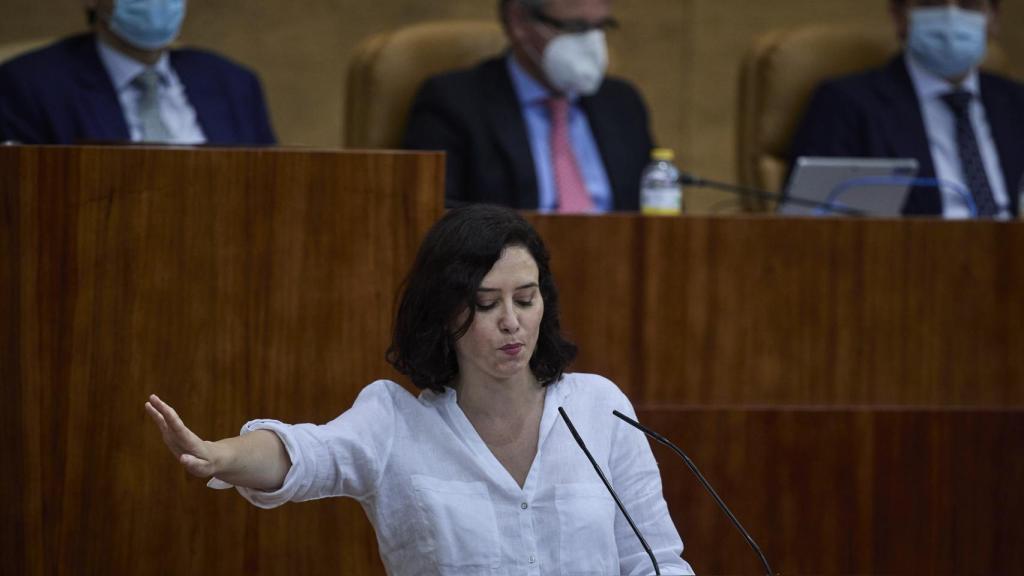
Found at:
<point>778,75</point>
<point>12,49</point>
<point>388,68</point>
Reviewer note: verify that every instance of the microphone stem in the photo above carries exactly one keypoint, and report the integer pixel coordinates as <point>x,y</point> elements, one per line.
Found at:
<point>579,440</point>
<point>703,482</point>
<point>691,180</point>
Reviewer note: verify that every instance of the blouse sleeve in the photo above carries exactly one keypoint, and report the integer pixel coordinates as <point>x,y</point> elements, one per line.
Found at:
<point>345,457</point>
<point>636,478</point>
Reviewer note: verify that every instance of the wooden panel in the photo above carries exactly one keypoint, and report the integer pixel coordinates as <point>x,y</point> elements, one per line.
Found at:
<point>235,284</point>
<point>240,284</point>
<point>795,311</point>
<point>599,290</point>
<point>847,490</point>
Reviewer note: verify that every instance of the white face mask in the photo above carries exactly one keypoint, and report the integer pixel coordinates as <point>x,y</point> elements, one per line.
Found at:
<point>576,63</point>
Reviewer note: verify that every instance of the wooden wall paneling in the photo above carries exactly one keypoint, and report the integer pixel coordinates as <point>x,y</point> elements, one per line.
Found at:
<point>758,310</point>
<point>843,490</point>
<point>837,311</point>
<point>17,533</point>
<point>235,284</point>
<point>597,263</point>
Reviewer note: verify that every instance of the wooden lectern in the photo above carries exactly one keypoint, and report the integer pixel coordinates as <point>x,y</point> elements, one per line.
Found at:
<point>235,284</point>
<point>853,388</point>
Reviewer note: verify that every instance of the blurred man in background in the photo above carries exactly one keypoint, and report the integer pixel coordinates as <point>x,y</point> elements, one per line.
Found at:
<point>541,127</point>
<point>121,82</point>
<point>931,103</point>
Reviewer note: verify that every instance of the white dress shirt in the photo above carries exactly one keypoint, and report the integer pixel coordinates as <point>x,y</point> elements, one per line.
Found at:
<point>441,503</point>
<point>940,127</point>
<point>178,115</point>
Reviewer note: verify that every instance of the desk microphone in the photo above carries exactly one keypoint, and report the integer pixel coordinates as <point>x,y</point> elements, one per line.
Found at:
<point>687,179</point>
<point>703,482</point>
<point>611,490</point>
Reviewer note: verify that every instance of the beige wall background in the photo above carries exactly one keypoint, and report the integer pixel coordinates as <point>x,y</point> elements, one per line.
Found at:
<point>683,54</point>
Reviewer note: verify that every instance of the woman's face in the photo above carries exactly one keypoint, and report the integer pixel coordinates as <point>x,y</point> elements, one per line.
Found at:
<point>509,307</point>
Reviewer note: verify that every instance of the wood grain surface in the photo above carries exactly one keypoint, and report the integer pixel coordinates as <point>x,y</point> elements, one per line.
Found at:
<point>234,284</point>
<point>761,310</point>
<point>843,490</point>
<point>853,388</point>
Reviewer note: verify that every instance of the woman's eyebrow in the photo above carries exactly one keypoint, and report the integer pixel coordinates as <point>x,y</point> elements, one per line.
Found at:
<point>523,287</point>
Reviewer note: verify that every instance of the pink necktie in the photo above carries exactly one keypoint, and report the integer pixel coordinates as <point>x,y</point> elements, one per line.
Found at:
<point>572,192</point>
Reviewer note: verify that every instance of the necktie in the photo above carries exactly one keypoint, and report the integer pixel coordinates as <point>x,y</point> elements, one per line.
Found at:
<point>970,157</point>
<point>150,123</point>
<point>572,192</point>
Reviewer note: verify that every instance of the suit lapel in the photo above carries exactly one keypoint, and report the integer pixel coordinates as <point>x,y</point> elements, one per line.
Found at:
<point>999,111</point>
<point>213,111</point>
<point>602,118</point>
<point>505,120</point>
<point>905,125</point>
<point>99,109</point>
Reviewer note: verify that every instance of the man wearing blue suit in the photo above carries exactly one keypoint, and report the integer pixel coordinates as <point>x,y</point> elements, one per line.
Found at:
<point>931,103</point>
<point>121,83</point>
<point>541,127</point>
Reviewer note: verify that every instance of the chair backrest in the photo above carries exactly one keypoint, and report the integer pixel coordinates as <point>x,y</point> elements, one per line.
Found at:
<point>18,47</point>
<point>778,76</point>
<point>388,68</point>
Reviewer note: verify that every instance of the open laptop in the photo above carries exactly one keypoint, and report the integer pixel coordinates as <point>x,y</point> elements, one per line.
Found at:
<point>871,186</point>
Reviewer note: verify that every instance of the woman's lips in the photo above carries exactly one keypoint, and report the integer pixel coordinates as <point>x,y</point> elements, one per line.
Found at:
<point>511,349</point>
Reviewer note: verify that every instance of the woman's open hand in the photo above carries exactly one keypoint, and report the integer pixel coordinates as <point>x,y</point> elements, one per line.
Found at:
<point>194,453</point>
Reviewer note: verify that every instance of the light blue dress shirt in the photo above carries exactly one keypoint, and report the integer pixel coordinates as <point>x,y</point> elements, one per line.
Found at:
<point>175,110</point>
<point>533,96</point>
<point>940,127</point>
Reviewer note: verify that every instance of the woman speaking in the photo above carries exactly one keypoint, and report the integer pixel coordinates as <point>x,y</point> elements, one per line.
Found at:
<point>477,474</point>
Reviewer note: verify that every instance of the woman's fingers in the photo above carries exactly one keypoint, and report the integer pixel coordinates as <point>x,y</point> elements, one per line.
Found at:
<point>165,431</point>
<point>179,439</point>
<point>166,412</point>
<point>157,417</point>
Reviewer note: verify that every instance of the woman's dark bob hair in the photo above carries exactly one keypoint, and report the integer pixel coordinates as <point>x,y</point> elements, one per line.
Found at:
<point>457,253</point>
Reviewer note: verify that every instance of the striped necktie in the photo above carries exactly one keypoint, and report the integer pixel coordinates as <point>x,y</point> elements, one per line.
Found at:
<point>975,177</point>
<point>151,124</point>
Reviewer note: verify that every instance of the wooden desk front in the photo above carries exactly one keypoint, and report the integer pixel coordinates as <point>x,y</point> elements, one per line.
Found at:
<point>243,284</point>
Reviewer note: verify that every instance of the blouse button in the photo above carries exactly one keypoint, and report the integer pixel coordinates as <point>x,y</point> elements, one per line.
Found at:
<point>524,506</point>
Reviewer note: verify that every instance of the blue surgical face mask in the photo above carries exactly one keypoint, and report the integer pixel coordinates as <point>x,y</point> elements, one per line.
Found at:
<point>948,41</point>
<point>147,24</point>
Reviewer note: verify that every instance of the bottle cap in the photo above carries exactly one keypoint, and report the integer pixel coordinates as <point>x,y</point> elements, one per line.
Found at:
<point>663,154</point>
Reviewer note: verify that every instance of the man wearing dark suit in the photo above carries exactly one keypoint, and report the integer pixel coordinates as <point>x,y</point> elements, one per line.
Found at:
<point>931,103</point>
<point>121,83</point>
<point>540,128</point>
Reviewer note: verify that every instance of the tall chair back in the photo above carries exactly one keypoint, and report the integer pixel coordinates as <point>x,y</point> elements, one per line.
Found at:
<point>388,68</point>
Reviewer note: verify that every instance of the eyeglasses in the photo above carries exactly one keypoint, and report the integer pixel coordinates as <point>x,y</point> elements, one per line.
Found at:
<point>573,26</point>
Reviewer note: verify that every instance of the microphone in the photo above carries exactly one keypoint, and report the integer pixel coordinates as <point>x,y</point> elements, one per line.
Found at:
<point>703,482</point>
<point>687,179</point>
<point>579,440</point>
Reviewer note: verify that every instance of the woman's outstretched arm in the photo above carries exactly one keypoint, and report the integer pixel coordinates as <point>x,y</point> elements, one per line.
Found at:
<point>256,460</point>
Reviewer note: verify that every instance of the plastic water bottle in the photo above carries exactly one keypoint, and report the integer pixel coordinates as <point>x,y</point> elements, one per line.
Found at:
<point>660,190</point>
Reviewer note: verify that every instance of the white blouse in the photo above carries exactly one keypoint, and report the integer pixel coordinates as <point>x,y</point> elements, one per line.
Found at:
<point>441,503</point>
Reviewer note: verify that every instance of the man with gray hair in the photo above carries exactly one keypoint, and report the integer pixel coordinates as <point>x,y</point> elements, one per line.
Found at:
<point>541,127</point>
